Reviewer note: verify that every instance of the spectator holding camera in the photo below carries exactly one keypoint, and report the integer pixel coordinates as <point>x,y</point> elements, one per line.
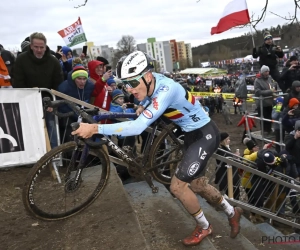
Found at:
<point>268,54</point>
<point>289,74</point>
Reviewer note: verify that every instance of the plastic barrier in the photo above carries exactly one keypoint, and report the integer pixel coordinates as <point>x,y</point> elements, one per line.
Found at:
<point>226,96</point>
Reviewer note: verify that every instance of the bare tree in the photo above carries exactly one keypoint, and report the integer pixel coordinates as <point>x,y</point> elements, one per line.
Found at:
<point>126,45</point>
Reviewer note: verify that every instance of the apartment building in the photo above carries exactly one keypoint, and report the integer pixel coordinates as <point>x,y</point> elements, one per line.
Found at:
<point>189,55</point>
<point>161,51</point>
<point>104,51</point>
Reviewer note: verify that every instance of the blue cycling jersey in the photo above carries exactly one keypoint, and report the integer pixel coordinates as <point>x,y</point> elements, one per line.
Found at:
<point>169,99</point>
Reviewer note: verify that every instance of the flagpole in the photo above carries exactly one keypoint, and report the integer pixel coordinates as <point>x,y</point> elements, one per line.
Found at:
<point>252,35</point>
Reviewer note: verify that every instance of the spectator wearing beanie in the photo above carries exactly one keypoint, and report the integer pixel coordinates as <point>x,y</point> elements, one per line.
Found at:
<point>277,114</point>
<point>262,88</point>
<point>268,54</point>
<point>289,74</point>
<point>293,93</point>
<point>292,145</point>
<point>77,86</point>
<point>293,115</point>
<point>111,83</point>
<point>221,169</point>
<point>66,60</point>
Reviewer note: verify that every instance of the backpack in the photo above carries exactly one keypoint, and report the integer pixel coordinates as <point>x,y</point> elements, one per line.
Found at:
<point>241,88</point>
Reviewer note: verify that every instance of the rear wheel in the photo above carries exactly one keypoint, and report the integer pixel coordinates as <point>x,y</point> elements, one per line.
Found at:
<point>51,191</point>
<point>165,155</point>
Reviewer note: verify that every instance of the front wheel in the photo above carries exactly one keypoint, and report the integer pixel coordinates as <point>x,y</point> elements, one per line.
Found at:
<point>51,191</point>
<point>165,155</point>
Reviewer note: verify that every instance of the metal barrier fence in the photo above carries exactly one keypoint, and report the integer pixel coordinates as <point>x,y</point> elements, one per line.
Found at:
<point>262,119</point>
<point>273,195</point>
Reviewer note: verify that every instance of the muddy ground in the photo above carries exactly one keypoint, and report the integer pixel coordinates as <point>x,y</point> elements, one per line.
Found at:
<point>20,231</point>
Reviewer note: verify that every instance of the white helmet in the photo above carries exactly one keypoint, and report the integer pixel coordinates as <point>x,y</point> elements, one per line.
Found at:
<point>134,64</point>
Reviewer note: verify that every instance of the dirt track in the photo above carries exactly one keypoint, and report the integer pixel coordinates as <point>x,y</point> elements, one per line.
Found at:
<point>87,230</point>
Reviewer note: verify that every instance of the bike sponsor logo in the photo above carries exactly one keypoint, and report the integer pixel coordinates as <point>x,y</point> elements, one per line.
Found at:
<point>202,155</point>
<point>193,168</point>
<point>163,88</point>
<point>155,103</point>
<point>147,113</point>
<point>208,137</point>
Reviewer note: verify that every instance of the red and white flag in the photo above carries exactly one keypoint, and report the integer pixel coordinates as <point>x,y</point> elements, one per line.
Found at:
<point>235,14</point>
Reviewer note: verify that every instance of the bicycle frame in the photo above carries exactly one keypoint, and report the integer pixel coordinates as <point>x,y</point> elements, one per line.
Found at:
<point>129,161</point>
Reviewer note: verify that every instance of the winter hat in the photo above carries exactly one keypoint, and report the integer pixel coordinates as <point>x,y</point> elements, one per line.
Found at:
<point>79,73</point>
<point>264,68</point>
<point>66,50</point>
<point>293,102</point>
<point>76,61</point>
<point>246,139</point>
<point>116,94</point>
<point>293,58</point>
<point>224,135</point>
<point>102,59</point>
<point>24,45</point>
<point>250,144</point>
<point>296,84</point>
<point>279,99</point>
<point>110,81</point>
<point>78,67</point>
<point>267,35</point>
<point>269,158</point>
<point>297,125</point>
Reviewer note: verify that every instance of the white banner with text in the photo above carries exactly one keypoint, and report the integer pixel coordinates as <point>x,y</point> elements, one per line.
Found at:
<point>22,135</point>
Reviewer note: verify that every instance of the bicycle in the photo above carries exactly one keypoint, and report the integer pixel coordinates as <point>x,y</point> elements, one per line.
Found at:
<point>81,167</point>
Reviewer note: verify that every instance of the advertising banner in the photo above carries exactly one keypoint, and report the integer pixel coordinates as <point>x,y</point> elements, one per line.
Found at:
<point>22,136</point>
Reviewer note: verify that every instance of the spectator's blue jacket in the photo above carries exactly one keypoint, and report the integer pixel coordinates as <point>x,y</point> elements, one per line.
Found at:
<point>69,87</point>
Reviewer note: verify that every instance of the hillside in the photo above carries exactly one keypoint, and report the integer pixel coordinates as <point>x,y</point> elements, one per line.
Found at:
<point>242,46</point>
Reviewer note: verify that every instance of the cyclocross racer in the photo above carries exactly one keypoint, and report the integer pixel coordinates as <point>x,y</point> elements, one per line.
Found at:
<point>201,137</point>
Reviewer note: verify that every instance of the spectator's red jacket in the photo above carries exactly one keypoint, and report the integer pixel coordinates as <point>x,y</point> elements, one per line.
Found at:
<point>102,97</point>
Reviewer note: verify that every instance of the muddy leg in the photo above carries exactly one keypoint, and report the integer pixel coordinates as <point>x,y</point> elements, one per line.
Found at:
<point>206,191</point>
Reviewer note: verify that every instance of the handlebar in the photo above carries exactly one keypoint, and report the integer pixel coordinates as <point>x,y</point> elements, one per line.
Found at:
<point>76,110</point>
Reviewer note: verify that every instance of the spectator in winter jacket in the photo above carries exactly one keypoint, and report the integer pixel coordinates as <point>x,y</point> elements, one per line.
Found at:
<point>250,154</point>
<point>221,173</point>
<point>293,115</point>
<point>262,88</point>
<point>248,123</point>
<point>66,60</point>
<point>9,61</point>
<point>36,67</point>
<point>289,74</point>
<point>293,93</point>
<point>47,72</point>
<point>102,91</point>
<point>292,145</point>
<point>226,114</point>
<point>268,54</point>
<point>77,86</point>
<point>276,116</point>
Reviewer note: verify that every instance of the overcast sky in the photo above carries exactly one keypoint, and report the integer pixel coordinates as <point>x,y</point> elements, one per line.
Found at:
<point>104,22</point>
